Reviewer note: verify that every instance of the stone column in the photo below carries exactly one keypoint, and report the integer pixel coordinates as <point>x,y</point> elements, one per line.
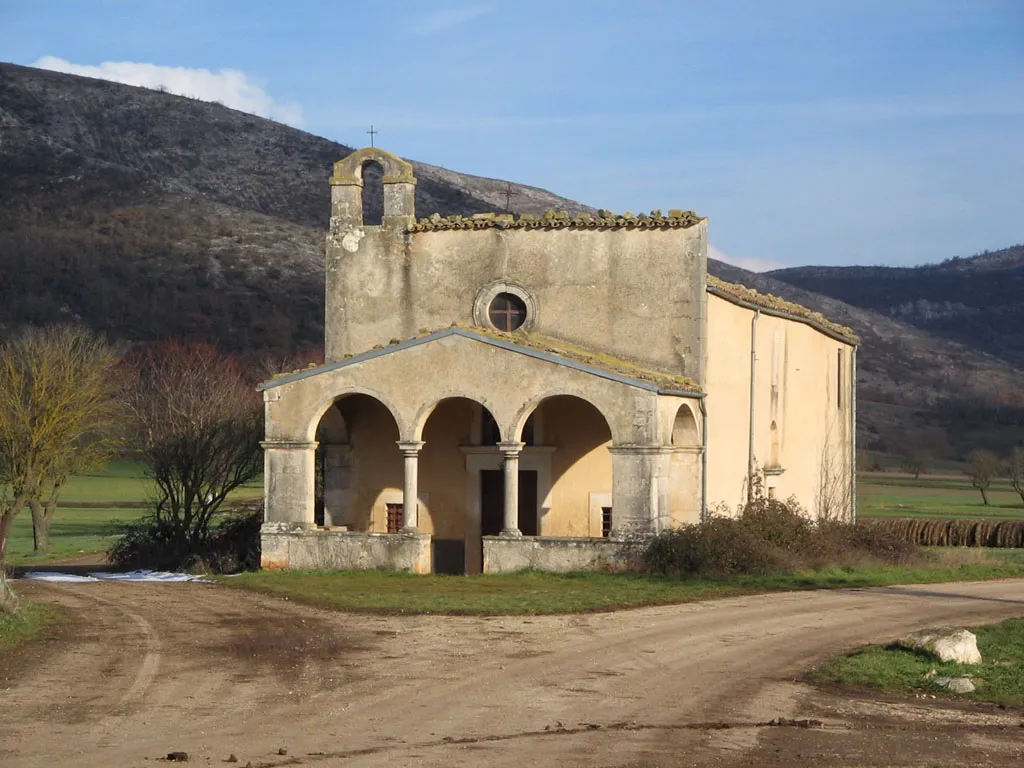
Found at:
<point>337,485</point>
<point>289,483</point>
<point>410,497</point>
<point>511,453</point>
<point>639,488</point>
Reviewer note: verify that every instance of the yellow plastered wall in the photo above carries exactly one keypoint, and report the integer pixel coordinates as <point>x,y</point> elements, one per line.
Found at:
<point>581,465</point>
<point>443,479</point>
<point>811,405</point>
<point>377,469</point>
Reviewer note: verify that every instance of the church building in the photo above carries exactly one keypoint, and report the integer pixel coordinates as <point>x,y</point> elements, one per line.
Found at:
<point>505,392</point>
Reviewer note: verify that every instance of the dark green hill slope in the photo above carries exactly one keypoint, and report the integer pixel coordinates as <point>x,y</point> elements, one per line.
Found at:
<point>976,301</point>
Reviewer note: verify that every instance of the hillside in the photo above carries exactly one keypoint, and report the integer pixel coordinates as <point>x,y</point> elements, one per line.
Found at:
<point>148,215</point>
<point>978,301</point>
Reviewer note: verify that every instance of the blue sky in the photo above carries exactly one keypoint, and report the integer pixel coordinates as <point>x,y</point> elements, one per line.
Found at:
<point>808,131</point>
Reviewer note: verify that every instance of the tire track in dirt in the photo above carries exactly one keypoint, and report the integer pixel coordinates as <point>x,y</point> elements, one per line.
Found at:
<point>151,653</point>
<point>157,668</point>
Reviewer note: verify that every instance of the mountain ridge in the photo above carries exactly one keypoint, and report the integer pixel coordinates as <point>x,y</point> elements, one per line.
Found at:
<point>975,300</point>
<point>148,215</point>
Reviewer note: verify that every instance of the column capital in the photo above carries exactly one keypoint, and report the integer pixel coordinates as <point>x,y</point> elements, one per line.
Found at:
<point>511,449</point>
<point>410,447</point>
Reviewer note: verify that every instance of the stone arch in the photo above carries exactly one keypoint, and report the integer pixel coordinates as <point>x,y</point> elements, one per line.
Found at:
<point>420,421</point>
<point>357,467</point>
<point>515,431</point>
<point>372,195</point>
<point>350,170</point>
<point>576,491</point>
<point>328,402</point>
<point>457,471</point>
<point>347,187</point>
<point>332,427</point>
<point>684,428</point>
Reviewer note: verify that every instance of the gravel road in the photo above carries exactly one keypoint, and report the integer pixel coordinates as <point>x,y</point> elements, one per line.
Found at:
<point>142,670</point>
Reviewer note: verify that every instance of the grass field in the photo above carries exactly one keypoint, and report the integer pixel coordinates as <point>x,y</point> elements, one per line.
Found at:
<point>117,493</point>
<point>91,503</point>
<point>545,593</point>
<point>999,679</point>
<point>893,494</point>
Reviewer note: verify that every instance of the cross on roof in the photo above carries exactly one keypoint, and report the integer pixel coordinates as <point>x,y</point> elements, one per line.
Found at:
<point>509,193</point>
<point>372,133</point>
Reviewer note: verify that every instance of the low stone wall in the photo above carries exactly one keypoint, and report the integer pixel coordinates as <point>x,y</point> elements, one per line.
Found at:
<point>304,548</point>
<point>507,554</point>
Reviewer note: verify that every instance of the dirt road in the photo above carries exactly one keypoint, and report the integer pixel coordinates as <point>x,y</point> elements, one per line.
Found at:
<point>142,670</point>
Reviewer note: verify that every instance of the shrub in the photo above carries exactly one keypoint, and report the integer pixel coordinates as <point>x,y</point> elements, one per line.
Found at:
<point>716,548</point>
<point>768,536</point>
<point>782,524</point>
<point>153,543</point>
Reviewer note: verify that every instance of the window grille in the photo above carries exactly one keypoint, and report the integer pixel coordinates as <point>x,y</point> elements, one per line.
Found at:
<point>507,312</point>
<point>606,522</point>
<point>396,517</point>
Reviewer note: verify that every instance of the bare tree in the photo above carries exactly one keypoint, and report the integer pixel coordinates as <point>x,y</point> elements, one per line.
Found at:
<point>196,422</point>
<point>58,408</point>
<point>832,498</point>
<point>1015,469</point>
<point>917,461</point>
<point>982,467</point>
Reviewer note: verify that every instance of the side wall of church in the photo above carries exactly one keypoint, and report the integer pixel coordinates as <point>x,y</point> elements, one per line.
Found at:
<point>636,294</point>
<point>802,409</point>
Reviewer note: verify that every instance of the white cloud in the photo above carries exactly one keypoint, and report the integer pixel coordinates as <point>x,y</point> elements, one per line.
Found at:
<point>231,87</point>
<point>751,263</point>
<point>442,21</point>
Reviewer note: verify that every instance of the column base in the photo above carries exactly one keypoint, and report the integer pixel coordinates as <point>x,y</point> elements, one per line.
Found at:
<point>512,533</point>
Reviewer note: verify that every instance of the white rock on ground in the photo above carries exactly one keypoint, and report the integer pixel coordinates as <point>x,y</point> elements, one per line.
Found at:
<point>946,643</point>
<point>955,684</point>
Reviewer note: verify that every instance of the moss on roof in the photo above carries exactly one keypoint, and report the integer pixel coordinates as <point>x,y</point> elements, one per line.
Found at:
<point>768,301</point>
<point>585,356</point>
<point>675,219</point>
<point>571,352</point>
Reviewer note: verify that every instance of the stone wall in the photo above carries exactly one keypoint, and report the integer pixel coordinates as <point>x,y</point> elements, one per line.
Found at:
<point>343,550</point>
<point>636,294</point>
<point>559,555</point>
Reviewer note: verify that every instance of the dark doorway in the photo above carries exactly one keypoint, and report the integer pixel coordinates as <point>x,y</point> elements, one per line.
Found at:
<point>492,502</point>
<point>528,502</point>
<point>448,555</point>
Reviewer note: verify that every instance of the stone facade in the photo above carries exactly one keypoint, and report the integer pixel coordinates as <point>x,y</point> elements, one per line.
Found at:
<point>543,387</point>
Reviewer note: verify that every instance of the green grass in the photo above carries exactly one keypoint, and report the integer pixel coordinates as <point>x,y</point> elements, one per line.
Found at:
<point>116,493</point>
<point>16,628</point>
<point>546,593</point>
<point>73,533</point>
<point>892,494</point>
<point>124,482</point>
<point>999,679</point>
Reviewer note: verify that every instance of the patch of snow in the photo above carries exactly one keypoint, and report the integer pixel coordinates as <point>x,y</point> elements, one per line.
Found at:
<point>148,576</point>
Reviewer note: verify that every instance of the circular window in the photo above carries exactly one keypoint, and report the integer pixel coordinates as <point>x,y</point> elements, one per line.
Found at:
<point>506,312</point>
